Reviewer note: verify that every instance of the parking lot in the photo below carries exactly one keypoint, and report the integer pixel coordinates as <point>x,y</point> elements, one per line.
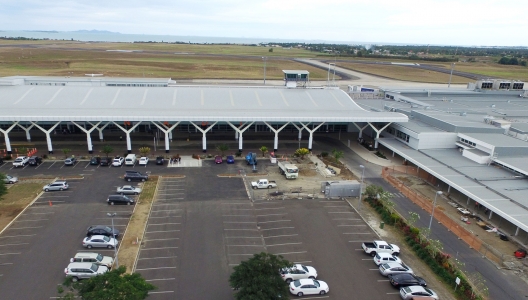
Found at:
<point>199,228</point>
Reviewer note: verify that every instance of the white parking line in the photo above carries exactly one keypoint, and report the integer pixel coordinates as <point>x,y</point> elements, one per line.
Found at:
<point>328,201</point>
<point>155,268</point>
<point>245,246</point>
<point>161,292</point>
<point>161,279</point>
<point>25,227</point>
<point>150,240</point>
<point>52,201</point>
<point>165,210</point>
<point>44,213</point>
<point>274,236</point>
<point>283,244</point>
<point>164,224</point>
<point>10,253</point>
<point>274,221</point>
<point>166,204</point>
<point>302,262</point>
<point>271,215</point>
<point>31,220</point>
<point>165,217</point>
<point>53,196</point>
<point>374,269</point>
<point>5,264</point>
<point>235,203</point>
<point>352,225</point>
<point>393,293</point>
<point>336,206</point>
<point>14,244</point>
<point>146,249</point>
<point>75,165</point>
<point>115,218</point>
<point>161,257</point>
<point>241,254</point>
<point>20,235</point>
<point>383,280</point>
<point>237,215</point>
<point>290,253</point>
<point>241,229</point>
<point>350,219</point>
<point>340,212</point>
<point>226,222</point>
<point>161,231</point>
<point>243,237</point>
<point>277,228</point>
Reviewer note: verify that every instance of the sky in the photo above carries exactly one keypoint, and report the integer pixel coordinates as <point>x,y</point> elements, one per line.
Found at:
<point>435,22</point>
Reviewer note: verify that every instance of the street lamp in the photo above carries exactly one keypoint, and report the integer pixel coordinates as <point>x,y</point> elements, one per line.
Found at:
<point>264,58</point>
<point>432,213</point>
<point>113,235</point>
<point>451,75</point>
<point>361,185</point>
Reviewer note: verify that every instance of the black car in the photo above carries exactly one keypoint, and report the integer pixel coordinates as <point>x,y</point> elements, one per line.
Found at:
<point>105,161</point>
<point>95,160</point>
<point>34,161</point>
<point>405,279</point>
<point>119,199</point>
<point>160,160</point>
<point>135,175</point>
<point>101,230</point>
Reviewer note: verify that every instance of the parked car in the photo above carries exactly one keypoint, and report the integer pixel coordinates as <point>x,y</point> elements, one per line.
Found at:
<point>143,160</point>
<point>298,271</point>
<point>99,241</point>
<point>56,186</point>
<point>102,230</point>
<point>394,268</point>
<point>70,161</point>
<point>34,161</point>
<point>10,179</point>
<point>82,270</point>
<point>218,159</point>
<point>1,160</point>
<point>230,159</point>
<point>118,161</point>
<point>406,279</point>
<point>409,292</point>
<point>119,199</point>
<point>95,160</point>
<point>135,175</point>
<point>106,161</point>
<point>128,190</point>
<point>302,287</point>
<point>92,257</point>
<point>160,160</point>
<point>383,257</point>
<point>20,161</point>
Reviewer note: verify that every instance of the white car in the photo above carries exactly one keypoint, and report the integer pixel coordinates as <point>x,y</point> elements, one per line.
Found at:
<point>20,161</point>
<point>82,270</point>
<point>92,257</point>
<point>410,292</point>
<point>128,190</point>
<point>100,241</point>
<point>298,271</point>
<point>302,287</point>
<point>143,161</point>
<point>10,179</point>
<point>394,268</point>
<point>118,161</point>
<point>382,258</point>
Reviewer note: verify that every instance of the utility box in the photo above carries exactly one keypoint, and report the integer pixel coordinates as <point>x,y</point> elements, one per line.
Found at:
<point>345,188</point>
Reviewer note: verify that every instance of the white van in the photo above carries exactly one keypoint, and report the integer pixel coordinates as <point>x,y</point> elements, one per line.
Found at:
<point>130,160</point>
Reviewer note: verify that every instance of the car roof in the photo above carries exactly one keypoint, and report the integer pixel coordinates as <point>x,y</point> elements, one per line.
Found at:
<point>80,265</point>
<point>97,236</point>
<point>125,186</point>
<point>305,281</point>
<point>416,288</point>
<point>382,254</point>
<point>59,181</point>
<point>97,226</point>
<point>86,254</point>
<point>393,264</point>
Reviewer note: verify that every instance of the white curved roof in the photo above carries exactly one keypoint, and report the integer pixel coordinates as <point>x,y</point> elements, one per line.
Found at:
<point>182,103</point>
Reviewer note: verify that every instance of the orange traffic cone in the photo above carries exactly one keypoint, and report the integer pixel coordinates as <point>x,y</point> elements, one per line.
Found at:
<point>50,203</point>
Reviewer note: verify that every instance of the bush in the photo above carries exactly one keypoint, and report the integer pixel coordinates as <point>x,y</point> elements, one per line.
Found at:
<point>8,157</point>
<point>324,154</point>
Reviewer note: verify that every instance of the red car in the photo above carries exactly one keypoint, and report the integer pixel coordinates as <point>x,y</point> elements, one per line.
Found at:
<point>218,159</point>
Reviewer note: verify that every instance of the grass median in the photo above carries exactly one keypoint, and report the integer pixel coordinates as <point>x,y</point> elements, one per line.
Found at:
<point>17,198</point>
<point>131,241</point>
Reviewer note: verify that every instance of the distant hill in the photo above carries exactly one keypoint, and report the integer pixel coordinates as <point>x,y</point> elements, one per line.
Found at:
<point>96,31</point>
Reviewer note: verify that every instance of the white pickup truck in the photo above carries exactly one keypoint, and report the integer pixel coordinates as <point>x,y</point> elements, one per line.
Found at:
<point>289,170</point>
<point>20,161</point>
<point>263,184</point>
<point>372,248</point>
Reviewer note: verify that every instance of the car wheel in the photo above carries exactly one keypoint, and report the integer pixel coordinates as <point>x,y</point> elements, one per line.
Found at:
<point>311,277</point>
<point>322,292</point>
<point>135,193</point>
<point>372,254</point>
<point>300,294</point>
<point>75,279</point>
<point>129,179</point>
<point>60,189</point>
<point>111,203</point>
<point>269,186</point>
<point>110,247</point>
<point>143,179</point>
<point>46,190</point>
<point>122,193</point>
<point>128,203</point>
<point>89,246</point>
<point>288,281</point>
<point>254,187</point>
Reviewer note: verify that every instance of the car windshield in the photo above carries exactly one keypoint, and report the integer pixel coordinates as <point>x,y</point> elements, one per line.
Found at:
<point>297,283</point>
<point>106,239</point>
<point>94,267</point>
<point>99,257</point>
<point>428,290</point>
<point>385,266</point>
<point>305,268</point>
<point>108,229</point>
<point>317,284</point>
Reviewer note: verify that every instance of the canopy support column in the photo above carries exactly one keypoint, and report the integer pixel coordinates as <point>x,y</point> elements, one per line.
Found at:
<point>127,132</point>
<point>300,130</point>
<point>378,133</point>
<point>100,130</point>
<point>276,140</point>
<point>310,139</point>
<point>47,132</point>
<point>167,130</point>
<point>243,127</point>
<point>88,132</point>
<point>204,139</point>
<point>28,136</point>
<point>6,137</point>
<point>360,129</point>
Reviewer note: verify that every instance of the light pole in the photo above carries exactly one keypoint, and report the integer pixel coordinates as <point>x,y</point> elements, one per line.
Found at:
<point>361,185</point>
<point>264,58</point>
<point>451,75</point>
<point>113,235</point>
<point>432,213</point>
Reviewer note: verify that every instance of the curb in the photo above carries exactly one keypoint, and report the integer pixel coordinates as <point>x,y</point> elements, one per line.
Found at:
<point>373,230</point>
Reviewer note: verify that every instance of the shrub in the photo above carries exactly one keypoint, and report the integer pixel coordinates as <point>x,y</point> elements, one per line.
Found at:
<point>8,157</point>
<point>324,154</point>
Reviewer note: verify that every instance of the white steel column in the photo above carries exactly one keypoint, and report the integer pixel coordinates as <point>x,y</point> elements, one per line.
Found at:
<point>166,130</point>
<point>240,131</point>
<point>204,139</point>
<point>6,136</point>
<point>276,140</point>
<point>378,133</point>
<point>127,132</point>
<point>47,133</point>
<point>28,136</point>
<point>88,132</point>
<point>360,129</point>
<point>100,130</point>
<point>300,130</point>
<point>310,139</point>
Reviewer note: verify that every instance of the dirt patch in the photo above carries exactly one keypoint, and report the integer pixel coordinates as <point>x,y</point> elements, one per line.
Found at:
<point>17,198</point>
<point>130,242</point>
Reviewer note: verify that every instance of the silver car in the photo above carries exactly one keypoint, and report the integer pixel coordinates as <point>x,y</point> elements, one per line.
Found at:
<point>10,179</point>
<point>80,270</point>
<point>394,268</point>
<point>128,190</point>
<point>99,241</point>
<point>56,186</point>
<point>410,292</point>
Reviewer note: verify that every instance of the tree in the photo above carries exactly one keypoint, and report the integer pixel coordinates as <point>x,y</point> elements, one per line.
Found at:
<point>144,151</point>
<point>3,188</point>
<point>302,152</point>
<point>222,148</point>
<point>337,154</point>
<point>107,149</point>
<point>115,285</point>
<point>66,151</point>
<point>259,278</point>
<point>264,150</point>
<point>372,191</point>
<point>22,151</point>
